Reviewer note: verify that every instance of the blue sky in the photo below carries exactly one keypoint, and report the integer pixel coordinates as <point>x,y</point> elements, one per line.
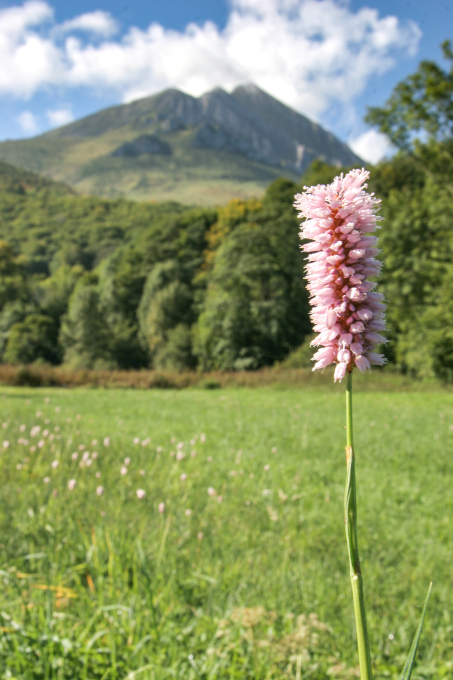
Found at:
<point>328,59</point>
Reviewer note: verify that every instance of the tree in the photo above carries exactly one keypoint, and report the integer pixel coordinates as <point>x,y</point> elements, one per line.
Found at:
<point>33,339</point>
<point>84,335</point>
<point>165,305</point>
<point>420,109</point>
<point>256,306</point>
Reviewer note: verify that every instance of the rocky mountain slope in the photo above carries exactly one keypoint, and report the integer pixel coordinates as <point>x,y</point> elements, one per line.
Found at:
<point>174,146</point>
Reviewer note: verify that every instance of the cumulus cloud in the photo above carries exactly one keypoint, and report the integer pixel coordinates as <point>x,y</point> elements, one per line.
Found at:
<point>311,54</point>
<point>59,117</point>
<point>372,146</point>
<point>98,22</point>
<point>27,121</point>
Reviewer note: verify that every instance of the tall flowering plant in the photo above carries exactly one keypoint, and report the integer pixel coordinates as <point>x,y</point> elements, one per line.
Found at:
<point>349,317</point>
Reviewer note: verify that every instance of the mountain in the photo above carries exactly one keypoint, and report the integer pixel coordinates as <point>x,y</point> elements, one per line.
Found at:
<point>171,145</point>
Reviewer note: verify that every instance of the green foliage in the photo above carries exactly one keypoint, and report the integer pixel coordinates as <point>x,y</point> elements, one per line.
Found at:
<point>256,306</point>
<point>164,306</point>
<point>33,339</point>
<point>85,336</point>
<point>302,356</point>
<point>320,172</point>
<point>420,107</point>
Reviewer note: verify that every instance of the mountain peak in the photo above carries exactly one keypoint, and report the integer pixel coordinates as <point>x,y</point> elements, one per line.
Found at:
<point>152,147</point>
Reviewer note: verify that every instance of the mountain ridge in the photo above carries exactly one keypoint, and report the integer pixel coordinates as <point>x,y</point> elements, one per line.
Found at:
<point>172,145</point>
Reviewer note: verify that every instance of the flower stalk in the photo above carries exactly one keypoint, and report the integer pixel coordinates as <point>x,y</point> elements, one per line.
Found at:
<point>350,511</point>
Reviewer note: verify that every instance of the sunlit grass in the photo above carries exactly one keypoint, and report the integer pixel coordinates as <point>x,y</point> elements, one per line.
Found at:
<point>232,564</point>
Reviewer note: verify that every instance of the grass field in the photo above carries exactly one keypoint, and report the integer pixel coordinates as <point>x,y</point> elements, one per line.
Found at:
<point>243,573</point>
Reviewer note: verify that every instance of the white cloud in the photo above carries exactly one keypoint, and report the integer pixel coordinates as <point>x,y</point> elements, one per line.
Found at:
<point>98,22</point>
<point>27,121</point>
<point>59,117</point>
<point>311,54</point>
<point>372,146</point>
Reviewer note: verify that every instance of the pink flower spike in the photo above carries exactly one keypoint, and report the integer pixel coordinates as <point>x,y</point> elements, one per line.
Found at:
<point>161,505</point>
<point>331,318</point>
<point>340,371</point>
<point>346,314</point>
<point>141,493</point>
<point>362,363</point>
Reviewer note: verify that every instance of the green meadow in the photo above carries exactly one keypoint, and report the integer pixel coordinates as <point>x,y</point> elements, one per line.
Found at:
<point>199,533</point>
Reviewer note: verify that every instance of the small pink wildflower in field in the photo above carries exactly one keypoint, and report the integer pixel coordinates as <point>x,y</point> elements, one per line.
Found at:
<point>274,449</point>
<point>183,477</point>
<point>55,463</point>
<point>192,442</point>
<point>159,449</point>
<point>267,467</point>
<point>193,453</point>
<point>123,470</point>
<point>127,461</point>
<point>41,443</point>
<point>72,484</point>
<point>38,414</point>
<point>32,449</point>
<point>161,508</point>
<point>141,493</point>
<point>211,491</point>
<point>46,480</point>
<point>94,442</point>
<point>209,459</point>
<point>74,456</point>
<point>219,499</point>
<point>200,535</point>
<point>266,492</point>
<point>136,440</point>
<point>188,512</point>
<point>57,428</point>
<point>82,447</point>
<point>22,428</point>
<point>18,466</point>
<point>97,475</point>
<point>180,455</point>
<point>180,445</point>
<point>35,430</point>
<point>89,462</point>
<point>347,314</point>
<point>54,493</point>
<point>6,444</point>
<point>142,473</point>
<point>45,433</point>
<point>106,441</point>
<point>202,438</point>
<point>99,490</point>
<point>46,399</point>
<point>94,455</point>
<point>57,409</point>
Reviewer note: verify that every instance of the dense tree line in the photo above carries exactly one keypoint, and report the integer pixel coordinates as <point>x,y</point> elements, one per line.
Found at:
<point>95,283</point>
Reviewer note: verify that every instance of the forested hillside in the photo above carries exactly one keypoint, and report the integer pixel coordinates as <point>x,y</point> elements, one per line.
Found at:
<point>111,283</point>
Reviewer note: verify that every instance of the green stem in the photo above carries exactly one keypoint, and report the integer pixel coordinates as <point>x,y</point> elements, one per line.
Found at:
<point>350,507</point>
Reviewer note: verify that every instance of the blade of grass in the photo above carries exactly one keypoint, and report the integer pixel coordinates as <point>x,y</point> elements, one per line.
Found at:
<point>407,670</point>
